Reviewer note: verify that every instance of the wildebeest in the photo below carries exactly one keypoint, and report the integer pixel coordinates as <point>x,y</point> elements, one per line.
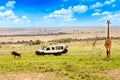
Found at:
<point>15,54</point>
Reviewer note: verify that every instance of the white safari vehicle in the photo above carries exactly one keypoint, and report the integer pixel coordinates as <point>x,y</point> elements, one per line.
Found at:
<point>52,49</point>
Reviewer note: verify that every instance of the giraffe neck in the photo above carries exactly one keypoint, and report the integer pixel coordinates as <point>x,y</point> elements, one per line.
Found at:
<point>108,32</point>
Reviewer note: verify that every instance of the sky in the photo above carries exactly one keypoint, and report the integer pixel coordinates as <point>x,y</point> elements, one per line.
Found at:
<point>59,13</point>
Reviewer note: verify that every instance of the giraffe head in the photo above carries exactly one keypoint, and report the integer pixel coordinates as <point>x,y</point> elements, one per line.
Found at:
<point>108,22</point>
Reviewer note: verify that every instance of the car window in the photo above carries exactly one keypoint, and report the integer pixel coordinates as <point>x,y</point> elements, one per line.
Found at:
<point>44,48</point>
<point>59,47</point>
<point>53,48</point>
<point>48,48</point>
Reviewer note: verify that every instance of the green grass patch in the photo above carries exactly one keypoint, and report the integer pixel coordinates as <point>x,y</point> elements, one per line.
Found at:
<point>78,63</point>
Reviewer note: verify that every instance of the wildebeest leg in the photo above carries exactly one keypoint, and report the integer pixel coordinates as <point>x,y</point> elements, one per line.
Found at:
<point>14,56</point>
<point>20,56</point>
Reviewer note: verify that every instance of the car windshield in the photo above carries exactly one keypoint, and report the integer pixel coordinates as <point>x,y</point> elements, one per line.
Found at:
<point>44,48</point>
<point>59,47</point>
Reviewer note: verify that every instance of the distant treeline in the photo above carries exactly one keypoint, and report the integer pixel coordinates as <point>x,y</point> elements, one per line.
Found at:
<point>95,38</point>
<point>63,40</point>
<point>68,40</point>
<point>30,42</point>
<point>60,33</point>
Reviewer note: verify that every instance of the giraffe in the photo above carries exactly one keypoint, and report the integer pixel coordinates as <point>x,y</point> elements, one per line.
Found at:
<point>94,46</point>
<point>108,41</point>
<point>94,43</point>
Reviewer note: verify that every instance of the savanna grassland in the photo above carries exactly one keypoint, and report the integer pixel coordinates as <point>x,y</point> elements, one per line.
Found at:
<point>47,34</point>
<point>82,62</point>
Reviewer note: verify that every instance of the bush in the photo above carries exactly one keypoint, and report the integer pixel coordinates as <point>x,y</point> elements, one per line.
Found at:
<point>37,42</point>
<point>64,40</point>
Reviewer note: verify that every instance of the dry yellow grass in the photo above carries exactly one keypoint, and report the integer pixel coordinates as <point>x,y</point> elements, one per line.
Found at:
<point>77,32</point>
<point>51,37</point>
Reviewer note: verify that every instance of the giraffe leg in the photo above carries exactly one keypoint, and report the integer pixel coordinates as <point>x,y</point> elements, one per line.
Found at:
<point>107,55</point>
<point>109,52</point>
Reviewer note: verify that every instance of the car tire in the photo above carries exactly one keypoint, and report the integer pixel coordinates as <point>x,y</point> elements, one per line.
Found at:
<point>37,53</point>
<point>57,54</point>
<point>43,53</point>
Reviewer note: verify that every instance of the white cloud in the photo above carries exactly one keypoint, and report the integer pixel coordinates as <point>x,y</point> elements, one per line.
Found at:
<point>96,5</point>
<point>2,7</point>
<point>101,13</point>
<point>25,18</point>
<point>8,13</point>
<point>10,4</point>
<point>98,10</point>
<point>96,14</point>
<point>106,13</point>
<point>109,2</point>
<point>80,8</point>
<point>8,16</point>
<point>67,14</point>
<point>113,5</point>
<point>114,17</point>
<point>64,14</point>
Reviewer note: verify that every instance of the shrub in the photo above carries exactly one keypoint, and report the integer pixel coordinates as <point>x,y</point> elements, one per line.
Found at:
<point>37,42</point>
<point>64,40</point>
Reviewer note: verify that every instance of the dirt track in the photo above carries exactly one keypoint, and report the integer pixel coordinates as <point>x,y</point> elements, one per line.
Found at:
<point>31,76</point>
<point>111,74</point>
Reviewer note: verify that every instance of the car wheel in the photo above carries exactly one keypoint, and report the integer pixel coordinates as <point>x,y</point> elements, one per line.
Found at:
<point>58,54</point>
<point>43,53</point>
<point>37,53</point>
